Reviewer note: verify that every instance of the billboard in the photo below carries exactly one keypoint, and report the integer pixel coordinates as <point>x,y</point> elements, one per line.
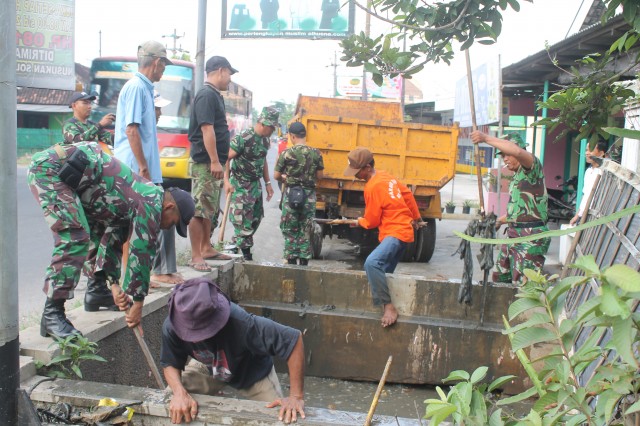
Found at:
<point>44,44</point>
<point>314,19</point>
<point>486,93</point>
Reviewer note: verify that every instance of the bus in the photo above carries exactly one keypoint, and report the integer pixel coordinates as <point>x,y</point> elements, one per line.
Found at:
<point>109,74</point>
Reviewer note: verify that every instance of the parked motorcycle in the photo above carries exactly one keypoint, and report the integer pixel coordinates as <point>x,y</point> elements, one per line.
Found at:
<point>562,200</point>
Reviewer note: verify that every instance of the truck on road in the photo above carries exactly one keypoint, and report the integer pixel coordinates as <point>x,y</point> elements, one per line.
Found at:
<point>421,156</point>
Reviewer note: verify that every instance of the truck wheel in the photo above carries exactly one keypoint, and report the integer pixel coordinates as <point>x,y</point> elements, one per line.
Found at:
<point>316,240</point>
<point>410,252</point>
<point>426,241</point>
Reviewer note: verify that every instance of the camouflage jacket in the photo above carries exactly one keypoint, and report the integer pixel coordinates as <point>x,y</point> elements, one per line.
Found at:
<point>528,195</point>
<point>118,199</point>
<point>75,130</point>
<point>300,163</point>
<point>252,149</point>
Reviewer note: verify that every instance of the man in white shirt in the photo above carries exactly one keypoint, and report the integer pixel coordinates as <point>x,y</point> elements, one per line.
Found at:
<point>589,178</point>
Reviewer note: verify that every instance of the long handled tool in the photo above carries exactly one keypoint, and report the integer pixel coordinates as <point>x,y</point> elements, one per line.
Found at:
<point>376,396</point>
<point>351,222</point>
<point>225,216</point>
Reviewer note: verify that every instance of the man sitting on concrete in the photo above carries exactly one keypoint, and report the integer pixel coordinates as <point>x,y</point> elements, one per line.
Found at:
<point>92,202</point>
<point>228,346</point>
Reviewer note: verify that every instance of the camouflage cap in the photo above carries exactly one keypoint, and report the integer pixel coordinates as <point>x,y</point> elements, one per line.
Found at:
<point>515,138</point>
<point>269,116</point>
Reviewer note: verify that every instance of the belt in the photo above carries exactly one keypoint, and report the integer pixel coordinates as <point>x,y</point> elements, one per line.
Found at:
<point>526,224</point>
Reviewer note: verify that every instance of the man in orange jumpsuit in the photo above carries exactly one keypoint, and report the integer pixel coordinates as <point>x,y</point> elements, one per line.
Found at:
<point>390,207</point>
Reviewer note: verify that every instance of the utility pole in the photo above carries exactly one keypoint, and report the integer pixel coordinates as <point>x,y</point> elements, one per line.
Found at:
<point>367,31</point>
<point>100,43</point>
<point>202,31</point>
<point>175,38</point>
<point>9,325</point>
<point>335,74</point>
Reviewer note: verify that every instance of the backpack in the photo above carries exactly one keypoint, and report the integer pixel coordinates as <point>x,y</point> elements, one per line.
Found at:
<point>296,197</point>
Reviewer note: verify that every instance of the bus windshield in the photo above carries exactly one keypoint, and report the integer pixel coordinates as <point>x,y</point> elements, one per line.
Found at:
<point>108,76</point>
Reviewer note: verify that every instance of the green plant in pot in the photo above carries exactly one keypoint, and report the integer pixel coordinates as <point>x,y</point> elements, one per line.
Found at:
<point>467,205</point>
<point>450,207</point>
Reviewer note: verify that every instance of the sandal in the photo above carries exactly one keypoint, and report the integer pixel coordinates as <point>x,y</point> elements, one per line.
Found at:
<point>219,256</point>
<point>200,266</point>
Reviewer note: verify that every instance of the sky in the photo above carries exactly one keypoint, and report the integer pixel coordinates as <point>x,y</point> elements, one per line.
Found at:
<point>280,70</point>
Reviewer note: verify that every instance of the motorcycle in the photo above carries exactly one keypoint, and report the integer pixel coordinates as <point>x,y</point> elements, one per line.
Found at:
<point>562,200</point>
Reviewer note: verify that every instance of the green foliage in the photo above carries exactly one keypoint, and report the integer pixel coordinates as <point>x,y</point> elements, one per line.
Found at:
<point>607,394</point>
<point>429,30</point>
<point>450,204</point>
<point>74,350</point>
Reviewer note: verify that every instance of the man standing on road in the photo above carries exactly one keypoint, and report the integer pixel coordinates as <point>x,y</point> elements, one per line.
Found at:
<point>209,138</point>
<point>228,346</point>
<point>93,203</point>
<point>390,207</point>
<point>526,209</point>
<point>247,163</point>
<point>299,167</point>
<point>79,128</point>
<point>589,178</point>
<point>136,141</point>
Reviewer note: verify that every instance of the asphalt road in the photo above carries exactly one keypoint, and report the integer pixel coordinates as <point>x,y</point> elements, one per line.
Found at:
<point>35,244</point>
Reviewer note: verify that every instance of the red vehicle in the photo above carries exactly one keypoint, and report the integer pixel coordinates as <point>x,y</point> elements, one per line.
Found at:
<point>109,74</point>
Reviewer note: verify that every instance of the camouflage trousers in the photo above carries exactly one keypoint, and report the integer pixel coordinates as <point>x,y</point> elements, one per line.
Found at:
<point>513,259</point>
<point>206,190</point>
<point>245,211</point>
<point>78,242</point>
<point>296,225</point>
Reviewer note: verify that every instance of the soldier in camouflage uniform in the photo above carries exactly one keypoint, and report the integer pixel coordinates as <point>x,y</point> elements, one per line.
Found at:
<point>247,163</point>
<point>92,202</point>
<point>79,128</point>
<point>526,209</point>
<point>298,166</point>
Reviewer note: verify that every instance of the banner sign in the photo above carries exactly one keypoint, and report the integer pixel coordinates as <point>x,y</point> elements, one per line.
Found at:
<point>351,87</point>
<point>314,19</point>
<point>44,44</point>
<point>486,93</point>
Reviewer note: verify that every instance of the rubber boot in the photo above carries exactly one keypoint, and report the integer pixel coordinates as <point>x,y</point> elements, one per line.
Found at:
<point>246,252</point>
<point>98,296</point>
<point>292,261</point>
<point>54,322</point>
<point>304,262</point>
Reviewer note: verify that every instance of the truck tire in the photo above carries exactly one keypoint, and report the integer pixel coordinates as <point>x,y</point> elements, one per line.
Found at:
<point>410,253</point>
<point>426,241</point>
<point>316,240</point>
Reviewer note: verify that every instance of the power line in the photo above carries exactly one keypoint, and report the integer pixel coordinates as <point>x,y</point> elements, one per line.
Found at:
<point>175,38</point>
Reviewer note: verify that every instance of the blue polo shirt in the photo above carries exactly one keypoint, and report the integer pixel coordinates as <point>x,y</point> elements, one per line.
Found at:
<point>135,105</point>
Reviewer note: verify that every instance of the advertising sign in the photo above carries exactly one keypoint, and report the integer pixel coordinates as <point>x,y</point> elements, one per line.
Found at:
<point>314,19</point>
<point>351,86</point>
<point>486,93</point>
<point>44,44</point>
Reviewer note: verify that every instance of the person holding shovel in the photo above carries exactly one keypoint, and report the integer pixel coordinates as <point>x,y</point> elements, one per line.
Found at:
<point>526,209</point>
<point>299,167</point>
<point>93,203</point>
<point>390,207</point>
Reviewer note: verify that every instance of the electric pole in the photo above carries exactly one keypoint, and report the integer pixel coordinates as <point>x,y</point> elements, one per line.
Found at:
<point>367,31</point>
<point>100,43</point>
<point>335,74</point>
<point>175,38</point>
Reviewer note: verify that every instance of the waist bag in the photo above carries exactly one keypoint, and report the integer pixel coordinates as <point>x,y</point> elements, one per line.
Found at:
<point>296,197</point>
<point>73,169</point>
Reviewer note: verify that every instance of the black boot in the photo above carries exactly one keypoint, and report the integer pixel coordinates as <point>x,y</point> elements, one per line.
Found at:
<point>54,322</point>
<point>292,261</point>
<point>246,252</point>
<point>98,296</point>
<point>304,262</point>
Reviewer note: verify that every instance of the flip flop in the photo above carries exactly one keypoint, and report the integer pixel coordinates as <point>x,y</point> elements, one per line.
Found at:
<point>200,266</point>
<point>219,256</point>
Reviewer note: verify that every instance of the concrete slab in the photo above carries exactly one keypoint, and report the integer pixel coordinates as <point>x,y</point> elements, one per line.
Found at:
<point>27,368</point>
<point>152,406</point>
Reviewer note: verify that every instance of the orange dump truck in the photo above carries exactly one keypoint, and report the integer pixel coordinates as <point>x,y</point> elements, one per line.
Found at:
<point>422,156</point>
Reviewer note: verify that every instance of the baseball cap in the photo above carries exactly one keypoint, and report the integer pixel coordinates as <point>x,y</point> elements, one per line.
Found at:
<point>155,50</point>
<point>358,158</point>
<point>81,96</point>
<point>298,129</point>
<point>159,101</point>
<point>515,138</point>
<point>198,309</point>
<point>186,207</point>
<point>217,62</point>
<point>269,116</point>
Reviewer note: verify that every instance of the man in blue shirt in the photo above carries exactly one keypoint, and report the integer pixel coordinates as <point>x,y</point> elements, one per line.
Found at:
<point>136,141</point>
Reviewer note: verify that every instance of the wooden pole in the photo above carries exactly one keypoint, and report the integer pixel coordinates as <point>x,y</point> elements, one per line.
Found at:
<point>475,127</point>
<point>225,216</point>
<point>374,403</point>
